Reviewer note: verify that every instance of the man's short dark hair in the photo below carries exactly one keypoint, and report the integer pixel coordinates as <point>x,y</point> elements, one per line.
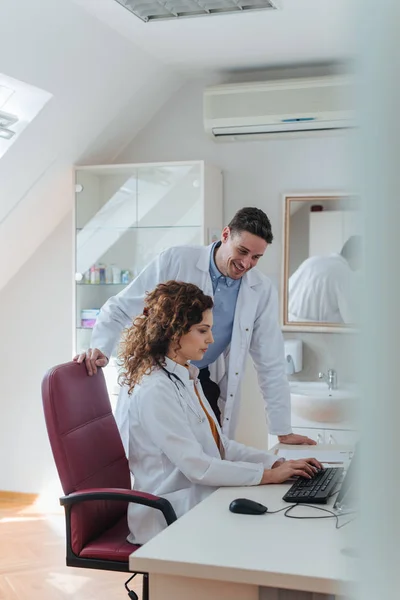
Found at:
<point>253,220</point>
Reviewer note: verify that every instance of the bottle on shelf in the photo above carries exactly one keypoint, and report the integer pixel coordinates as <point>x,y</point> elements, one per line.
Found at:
<point>109,274</point>
<point>126,276</point>
<point>102,273</point>
<point>94,274</point>
<point>116,271</point>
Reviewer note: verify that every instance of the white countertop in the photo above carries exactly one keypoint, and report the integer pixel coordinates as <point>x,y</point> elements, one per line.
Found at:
<point>210,542</point>
<point>298,421</point>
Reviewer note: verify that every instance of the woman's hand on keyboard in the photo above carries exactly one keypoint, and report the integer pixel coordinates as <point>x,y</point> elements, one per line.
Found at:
<point>304,467</point>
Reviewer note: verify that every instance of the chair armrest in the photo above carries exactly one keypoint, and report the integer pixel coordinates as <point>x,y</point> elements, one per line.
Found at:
<point>119,494</point>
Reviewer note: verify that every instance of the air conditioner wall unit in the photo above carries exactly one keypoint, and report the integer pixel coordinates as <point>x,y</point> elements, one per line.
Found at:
<point>253,110</point>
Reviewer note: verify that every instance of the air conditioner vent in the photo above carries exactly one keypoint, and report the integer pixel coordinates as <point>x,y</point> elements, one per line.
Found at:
<point>284,106</point>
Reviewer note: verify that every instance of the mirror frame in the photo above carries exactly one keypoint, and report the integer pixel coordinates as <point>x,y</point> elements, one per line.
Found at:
<point>303,326</point>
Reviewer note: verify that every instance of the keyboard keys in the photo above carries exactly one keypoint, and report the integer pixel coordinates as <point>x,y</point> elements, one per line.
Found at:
<point>317,489</point>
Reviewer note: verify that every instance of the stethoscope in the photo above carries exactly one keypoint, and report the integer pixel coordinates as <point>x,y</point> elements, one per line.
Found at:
<point>175,379</point>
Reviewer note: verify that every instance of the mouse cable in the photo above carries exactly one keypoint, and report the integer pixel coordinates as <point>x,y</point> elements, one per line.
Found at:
<point>330,515</point>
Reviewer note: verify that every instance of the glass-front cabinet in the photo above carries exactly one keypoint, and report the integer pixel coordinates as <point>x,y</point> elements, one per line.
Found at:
<point>127,214</point>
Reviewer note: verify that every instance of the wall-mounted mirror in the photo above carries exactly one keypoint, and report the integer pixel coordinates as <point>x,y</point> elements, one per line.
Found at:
<point>321,262</point>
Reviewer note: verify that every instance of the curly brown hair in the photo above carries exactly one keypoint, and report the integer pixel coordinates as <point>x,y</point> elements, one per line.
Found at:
<point>171,309</point>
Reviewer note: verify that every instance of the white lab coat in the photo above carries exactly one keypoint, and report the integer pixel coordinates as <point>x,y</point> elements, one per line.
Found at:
<point>321,290</point>
<point>255,330</point>
<point>172,452</point>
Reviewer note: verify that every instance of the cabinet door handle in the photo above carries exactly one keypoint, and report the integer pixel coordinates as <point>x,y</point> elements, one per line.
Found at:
<point>331,440</point>
<point>319,439</point>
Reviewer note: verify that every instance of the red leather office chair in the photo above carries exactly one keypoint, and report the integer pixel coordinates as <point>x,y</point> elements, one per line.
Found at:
<point>93,471</point>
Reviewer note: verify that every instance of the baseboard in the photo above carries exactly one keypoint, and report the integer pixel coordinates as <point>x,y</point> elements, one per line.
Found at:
<point>17,497</point>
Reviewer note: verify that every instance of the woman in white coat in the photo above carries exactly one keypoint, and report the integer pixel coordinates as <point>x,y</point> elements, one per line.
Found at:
<point>176,447</point>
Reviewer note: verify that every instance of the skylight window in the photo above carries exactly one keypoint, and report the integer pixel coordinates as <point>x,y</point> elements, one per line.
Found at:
<point>154,10</point>
<point>20,103</point>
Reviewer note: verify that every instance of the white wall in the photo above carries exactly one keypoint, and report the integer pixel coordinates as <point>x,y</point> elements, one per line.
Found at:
<point>36,333</point>
<point>104,88</point>
<point>255,174</point>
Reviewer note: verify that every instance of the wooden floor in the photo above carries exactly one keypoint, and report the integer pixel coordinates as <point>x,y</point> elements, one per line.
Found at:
<point>32,560</point>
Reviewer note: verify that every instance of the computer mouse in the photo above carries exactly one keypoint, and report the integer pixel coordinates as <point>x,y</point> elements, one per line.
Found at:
<point>245,506</point>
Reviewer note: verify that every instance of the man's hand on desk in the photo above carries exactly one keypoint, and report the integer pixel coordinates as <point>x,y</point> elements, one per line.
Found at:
<point>294,438</point>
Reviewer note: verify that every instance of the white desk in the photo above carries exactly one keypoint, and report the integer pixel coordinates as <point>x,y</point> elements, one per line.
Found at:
<point>213,554</point>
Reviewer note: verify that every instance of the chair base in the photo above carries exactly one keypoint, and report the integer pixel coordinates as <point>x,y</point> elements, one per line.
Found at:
<point>145,587</point>
<point>108,565</point>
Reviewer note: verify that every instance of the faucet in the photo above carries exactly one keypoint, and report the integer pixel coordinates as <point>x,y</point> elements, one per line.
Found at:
<point>290,368</point>
<point>331,379</point>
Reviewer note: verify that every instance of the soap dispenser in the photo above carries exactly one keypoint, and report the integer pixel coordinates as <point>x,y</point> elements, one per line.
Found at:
<point>293,356</point>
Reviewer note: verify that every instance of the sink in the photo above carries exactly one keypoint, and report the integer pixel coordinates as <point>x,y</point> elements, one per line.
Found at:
<point>312,400</point>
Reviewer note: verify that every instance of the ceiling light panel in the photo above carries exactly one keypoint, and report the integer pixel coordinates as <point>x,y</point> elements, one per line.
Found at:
<point>155,10</point>
<point>5,93</point>
<point>6,134</point>
<point>6,119</point>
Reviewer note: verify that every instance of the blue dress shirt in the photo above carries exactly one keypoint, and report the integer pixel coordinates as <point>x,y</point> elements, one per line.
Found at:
<point>225,295</point>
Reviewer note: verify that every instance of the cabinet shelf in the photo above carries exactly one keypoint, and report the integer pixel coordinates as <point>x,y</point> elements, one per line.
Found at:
<point>139,228</point>
<point>102,284</point>
<point>125,216</point>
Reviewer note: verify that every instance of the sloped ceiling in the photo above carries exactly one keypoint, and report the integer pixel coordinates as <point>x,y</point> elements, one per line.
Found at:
<point>105,89</point>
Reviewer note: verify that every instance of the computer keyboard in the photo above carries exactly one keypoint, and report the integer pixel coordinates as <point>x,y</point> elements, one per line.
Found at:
<point>316,490</point>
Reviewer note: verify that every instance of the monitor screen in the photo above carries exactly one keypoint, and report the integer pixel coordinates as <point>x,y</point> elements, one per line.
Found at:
<point>346,496</point>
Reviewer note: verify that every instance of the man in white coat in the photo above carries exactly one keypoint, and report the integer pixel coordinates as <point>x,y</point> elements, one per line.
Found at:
<point>245,321</point>
<point>324,288</point>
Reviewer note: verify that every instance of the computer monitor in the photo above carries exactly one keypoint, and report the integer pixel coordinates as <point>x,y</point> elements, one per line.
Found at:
<point>346,498</point>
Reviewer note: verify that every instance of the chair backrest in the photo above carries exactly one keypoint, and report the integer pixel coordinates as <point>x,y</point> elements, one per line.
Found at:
<point>86,445</point>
